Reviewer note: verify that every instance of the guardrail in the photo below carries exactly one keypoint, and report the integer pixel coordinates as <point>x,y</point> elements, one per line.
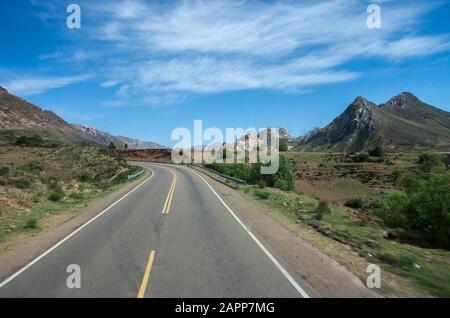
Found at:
<point>236,180</point>
<point>135,175</point>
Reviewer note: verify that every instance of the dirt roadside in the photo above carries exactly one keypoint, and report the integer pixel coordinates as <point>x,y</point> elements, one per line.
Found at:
<point>24,248</point>
<point>324,274</point>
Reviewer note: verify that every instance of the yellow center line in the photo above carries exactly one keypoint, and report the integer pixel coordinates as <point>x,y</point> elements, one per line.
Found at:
<point>146,277</point>
<point>168,196</point>
<point>168,202</point>
<point>171,195</point>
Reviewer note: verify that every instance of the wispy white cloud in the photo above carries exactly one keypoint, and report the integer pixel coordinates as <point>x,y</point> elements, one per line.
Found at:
<point>152,49</point>
<point>30,85</point>
<point>110,83</point>
<point>211,75</point>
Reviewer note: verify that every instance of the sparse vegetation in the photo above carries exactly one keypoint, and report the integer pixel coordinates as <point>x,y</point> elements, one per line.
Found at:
<point>322,209</point>
<point>263,195</point>
<point>362,157</point>
<point>410,188</point>
<point>424,271</point>
<point>48,181</point>
<point>354,203</point>
<point>20,183</point>
<point>32,141</point>
<point>31,223</point>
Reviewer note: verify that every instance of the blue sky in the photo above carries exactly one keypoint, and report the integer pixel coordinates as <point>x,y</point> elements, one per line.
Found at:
<point>142,68</point>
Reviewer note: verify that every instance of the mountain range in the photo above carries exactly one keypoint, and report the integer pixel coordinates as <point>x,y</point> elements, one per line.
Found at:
<point>402,123</point>
<point>104,138</point>
<point>19,117</point>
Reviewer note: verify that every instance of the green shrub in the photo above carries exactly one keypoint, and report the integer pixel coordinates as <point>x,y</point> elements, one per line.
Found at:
<point>322,209</point>
<point>398,173</point>
<point>261,184</point>
<point>378,151</point>
<point>81,187</point>
<point>430,161</point>
<point>55,196</point>
<point>5,171</point>
<point>33,141</point>
<point>20,183</point>
<point>423,208</point>
<point>283,146</point>
<point>283,179</point>
<point>76,195</point>
<point>236,170</point>
<point>263,195</point>
<point>33,166</point>
<point>362,157</point>
<point>30,223</point>
<point>85,177</point>
<point>355,203</point>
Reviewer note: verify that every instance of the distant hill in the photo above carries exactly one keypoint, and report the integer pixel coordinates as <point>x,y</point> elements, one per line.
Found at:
<point>19,117</point>
<point>402,123</point>
<point>139,144</point>
<point>104,138</point>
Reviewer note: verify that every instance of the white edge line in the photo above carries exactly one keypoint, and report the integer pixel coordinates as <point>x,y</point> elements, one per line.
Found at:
<point>272,258</point>
<point>72,234</point>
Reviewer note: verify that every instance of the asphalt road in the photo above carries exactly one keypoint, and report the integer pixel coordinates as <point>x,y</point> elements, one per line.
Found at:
<point>173,236</point>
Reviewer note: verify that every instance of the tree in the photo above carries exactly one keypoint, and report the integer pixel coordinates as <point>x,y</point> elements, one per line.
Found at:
<point>33,141</point>
<point>283,146</point>
<point>283,179</point>
<point>126,146</point>
<point>429,161</point>
<point>423,208</point>
<point>112,145</point>
<point>378,151</point>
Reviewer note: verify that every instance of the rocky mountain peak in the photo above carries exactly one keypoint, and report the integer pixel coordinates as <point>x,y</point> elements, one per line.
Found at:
<point>402,101</point>
<point>361,103</point>
<point>284,134</point>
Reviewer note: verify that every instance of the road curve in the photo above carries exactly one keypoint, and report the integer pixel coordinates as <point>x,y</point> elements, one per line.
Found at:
<point>171,237</point>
